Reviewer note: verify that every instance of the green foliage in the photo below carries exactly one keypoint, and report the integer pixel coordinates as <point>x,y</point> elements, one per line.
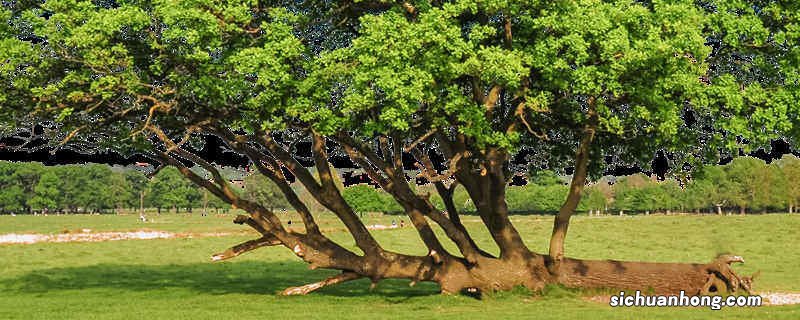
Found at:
<point>745,182</point>
<point>261,190</point>
<point>789,168</point>
<point>365,198</point>
<point>91,187</point>
<point>536,198</point>
<point>253,65</point>
<point>632,72</point>
<point>169,189</point>
<point>545,178</point>
<point>46,192</point>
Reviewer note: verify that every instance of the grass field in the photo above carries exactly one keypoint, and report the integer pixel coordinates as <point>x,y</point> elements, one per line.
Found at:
<point>174,278</point>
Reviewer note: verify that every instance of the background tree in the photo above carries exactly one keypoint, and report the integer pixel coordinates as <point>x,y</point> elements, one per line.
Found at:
<point>598,196</point>
<point>260,190</point>
<point>47,192</point>
<point>119,190</point>
<point>74,193</point>
<point>27,175</point>
<point>137,183</point>
<point>789,167</point>
<point>12,198</point>
<point>718,188</point>
<point>700,194</point>
<point>742,183</point>
<point>169,189</point>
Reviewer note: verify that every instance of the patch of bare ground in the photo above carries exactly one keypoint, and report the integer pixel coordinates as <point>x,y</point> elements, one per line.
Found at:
<point>86,235</point>
<point>780,298</point>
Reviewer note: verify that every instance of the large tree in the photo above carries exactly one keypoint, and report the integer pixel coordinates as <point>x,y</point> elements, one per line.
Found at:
<point>789,167</point>
<point>459,87</point>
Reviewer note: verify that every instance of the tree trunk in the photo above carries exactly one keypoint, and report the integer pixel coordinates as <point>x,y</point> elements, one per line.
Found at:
<point>516,266</point>
<point>205,203</point>
<point>141,203</point>
<point>742,210</point>
<point>561,223</point>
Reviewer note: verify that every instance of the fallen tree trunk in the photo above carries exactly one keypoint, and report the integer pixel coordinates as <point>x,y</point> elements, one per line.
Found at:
<point>516,265</point>
<point>658,278</point>
<point>455,274</point>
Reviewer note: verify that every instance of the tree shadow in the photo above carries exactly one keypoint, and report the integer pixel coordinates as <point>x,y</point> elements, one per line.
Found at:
<point>247,277</point>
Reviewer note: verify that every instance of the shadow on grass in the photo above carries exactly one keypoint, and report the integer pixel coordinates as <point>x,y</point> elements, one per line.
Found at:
<point>230,277</point>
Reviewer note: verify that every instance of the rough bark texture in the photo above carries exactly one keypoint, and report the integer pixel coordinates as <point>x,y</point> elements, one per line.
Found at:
<point>566,211</point>
<point>471,269</point>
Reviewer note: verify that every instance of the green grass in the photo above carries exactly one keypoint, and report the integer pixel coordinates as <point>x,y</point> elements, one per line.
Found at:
<point>173,279</point>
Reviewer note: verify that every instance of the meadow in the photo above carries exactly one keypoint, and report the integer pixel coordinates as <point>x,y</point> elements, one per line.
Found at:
<point>175,279</point>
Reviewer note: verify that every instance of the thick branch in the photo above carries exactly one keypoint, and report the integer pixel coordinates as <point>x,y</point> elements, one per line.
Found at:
<point>390,185</point>
<point>491,100</point>
<point>275,174</point>
<point>487,191</point>
<point>507,37</point>
<point>330,197</point>
<point>320,156</point>
<point>245,247</point>
<point>452,213</point>
<point>427,169</point>
<point>221,189</point>
<point>577,184</point>
<point>302,290</point>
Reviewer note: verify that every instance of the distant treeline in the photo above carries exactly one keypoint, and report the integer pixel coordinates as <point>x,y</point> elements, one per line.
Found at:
<point>29,187</point>
<point>744,185</point>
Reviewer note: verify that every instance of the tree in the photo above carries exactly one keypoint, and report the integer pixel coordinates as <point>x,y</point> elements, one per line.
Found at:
<point>789,167</point>
<point>12,198</point>
<point>168,189</point>
<point>261,190</point>
<point>742,184</point>
<point>714,181</point>
<point>46,192</point>
<point>119,189</point>
<point>545,178</point>
<point>27,175</point>
<point>74,188</point>
<point>699,194</point>
<point>456,87</point>
<point>598,197</point>
<point>137,183</point>
<point>100,192</point>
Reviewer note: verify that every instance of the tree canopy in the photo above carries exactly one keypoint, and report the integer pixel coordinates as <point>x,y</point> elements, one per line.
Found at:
<point>468,82</point>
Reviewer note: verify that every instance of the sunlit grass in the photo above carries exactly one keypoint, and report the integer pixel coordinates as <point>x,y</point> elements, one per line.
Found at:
<point>174,279</point>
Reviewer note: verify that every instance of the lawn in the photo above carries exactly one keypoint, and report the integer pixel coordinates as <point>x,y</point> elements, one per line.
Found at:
<point>174,278</point>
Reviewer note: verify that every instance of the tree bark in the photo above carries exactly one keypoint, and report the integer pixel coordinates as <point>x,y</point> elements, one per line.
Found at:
<point>516,266</point>
<point>561,223</point>
<point>305,289</point>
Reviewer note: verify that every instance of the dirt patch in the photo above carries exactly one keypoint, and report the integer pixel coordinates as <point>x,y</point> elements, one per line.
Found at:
<point>780,298</point>
<point>86,235</point>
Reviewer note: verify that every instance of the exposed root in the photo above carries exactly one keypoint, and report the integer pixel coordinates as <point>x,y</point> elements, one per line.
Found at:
<point>245,247</point>
<point>305,289</point>
<point>721,276</point>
